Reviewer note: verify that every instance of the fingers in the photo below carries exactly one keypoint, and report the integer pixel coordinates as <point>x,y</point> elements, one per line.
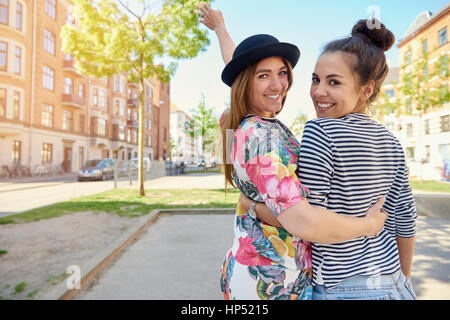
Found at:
<point>379,203</point>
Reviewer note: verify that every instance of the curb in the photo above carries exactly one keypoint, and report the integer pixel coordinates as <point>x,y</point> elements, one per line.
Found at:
<point>108,256</point>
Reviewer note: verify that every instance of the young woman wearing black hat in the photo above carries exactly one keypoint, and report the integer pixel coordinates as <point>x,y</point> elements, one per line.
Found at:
<point>267,262</point>
<point>348,160</point>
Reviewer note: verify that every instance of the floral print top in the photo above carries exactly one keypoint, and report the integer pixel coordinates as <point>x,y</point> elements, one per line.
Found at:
<point>264,154</point>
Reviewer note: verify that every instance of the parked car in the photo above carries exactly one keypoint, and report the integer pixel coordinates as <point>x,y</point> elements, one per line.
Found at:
<point>100,169</point>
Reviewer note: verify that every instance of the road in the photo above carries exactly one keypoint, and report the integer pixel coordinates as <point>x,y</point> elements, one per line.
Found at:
<point>26,194</point>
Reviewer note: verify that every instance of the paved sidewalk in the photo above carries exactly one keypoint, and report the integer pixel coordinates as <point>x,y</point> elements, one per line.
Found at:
<point>179,257</point>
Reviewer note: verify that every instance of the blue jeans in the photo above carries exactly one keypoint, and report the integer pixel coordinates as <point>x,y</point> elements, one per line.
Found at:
<point>385,287</point>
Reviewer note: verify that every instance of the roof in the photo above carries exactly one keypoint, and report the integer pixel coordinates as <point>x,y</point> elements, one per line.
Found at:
<point>422,20</point>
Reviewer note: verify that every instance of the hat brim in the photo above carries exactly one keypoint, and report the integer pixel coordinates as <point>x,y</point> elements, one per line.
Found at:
<point>282,49</point>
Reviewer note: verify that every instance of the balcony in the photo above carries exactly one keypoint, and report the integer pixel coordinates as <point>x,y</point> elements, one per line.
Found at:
<point>132,103</point>
<point>72,100</point>
<point>132,124</point>
<point>69,66</point>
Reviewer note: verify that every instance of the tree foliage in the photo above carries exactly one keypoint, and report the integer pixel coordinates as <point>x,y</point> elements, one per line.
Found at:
<point>141,39</point>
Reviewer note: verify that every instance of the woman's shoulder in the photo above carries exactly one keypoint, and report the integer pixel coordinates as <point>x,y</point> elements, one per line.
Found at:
<point>256,122</point>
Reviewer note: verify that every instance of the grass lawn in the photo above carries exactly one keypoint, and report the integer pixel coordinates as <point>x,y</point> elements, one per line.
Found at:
<point>128,203</point>
<point>428,185</point>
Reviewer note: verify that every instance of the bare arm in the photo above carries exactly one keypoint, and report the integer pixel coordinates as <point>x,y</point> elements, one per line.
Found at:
<point>213,19</point>
<point>406,253</point>
<point>321,225</point>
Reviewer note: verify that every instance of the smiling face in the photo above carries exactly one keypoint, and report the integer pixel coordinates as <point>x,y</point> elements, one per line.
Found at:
<point>335,90</point>
<point>270,84</point>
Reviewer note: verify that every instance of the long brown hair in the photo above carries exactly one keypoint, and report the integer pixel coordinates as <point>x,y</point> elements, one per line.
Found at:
<point>239,107</point>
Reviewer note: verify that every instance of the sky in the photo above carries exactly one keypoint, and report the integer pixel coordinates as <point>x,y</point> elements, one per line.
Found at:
<point>307,24</point>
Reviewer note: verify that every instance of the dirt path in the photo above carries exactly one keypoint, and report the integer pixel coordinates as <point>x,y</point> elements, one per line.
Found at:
<point>38,253</point>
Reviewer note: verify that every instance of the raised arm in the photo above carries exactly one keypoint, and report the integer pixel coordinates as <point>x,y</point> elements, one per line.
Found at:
<point>213,19</point>
<point>317,224</point>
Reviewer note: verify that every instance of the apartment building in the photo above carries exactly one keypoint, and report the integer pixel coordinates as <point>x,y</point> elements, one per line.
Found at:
<point>50,114</point>
<point>423,132</point>
<point>184,149</point>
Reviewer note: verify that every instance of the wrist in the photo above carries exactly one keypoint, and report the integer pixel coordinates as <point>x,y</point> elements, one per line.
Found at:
<point>220,28</point>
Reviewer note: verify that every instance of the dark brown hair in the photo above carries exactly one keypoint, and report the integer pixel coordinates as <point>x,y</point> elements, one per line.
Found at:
<point>367,44</point>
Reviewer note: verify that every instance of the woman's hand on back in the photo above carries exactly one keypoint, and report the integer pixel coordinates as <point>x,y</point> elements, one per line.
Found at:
<point>376,217</point>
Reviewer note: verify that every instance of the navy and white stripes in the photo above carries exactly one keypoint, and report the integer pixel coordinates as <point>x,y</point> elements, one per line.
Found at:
<point>348,163</point>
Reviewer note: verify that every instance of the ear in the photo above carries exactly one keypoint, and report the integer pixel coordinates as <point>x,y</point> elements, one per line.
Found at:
<point>367,89</point>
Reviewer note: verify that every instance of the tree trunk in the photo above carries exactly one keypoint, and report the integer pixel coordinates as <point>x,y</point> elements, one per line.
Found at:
<point>141,137</point>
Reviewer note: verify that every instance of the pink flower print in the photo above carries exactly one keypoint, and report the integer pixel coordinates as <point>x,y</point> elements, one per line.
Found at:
<point>259,170</point>
<point>283,193</point>
<point>247,254</point>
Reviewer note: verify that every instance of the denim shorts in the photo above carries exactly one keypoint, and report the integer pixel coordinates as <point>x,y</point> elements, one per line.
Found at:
<point>385,287</point>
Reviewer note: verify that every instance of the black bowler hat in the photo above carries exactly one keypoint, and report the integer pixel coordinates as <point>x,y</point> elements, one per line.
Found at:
<point>254,49</point>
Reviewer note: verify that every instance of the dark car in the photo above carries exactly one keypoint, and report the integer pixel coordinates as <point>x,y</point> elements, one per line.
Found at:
<point>100,169</point>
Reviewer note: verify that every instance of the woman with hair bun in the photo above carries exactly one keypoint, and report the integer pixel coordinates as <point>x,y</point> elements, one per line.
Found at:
<point>347,161</point>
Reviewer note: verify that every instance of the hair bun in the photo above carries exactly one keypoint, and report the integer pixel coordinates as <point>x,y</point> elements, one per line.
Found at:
<point>373,31</point>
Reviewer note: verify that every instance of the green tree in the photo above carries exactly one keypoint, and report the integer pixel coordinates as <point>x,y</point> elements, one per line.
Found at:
<point>113,37</point>
<point>204,124</point>
<point>298,124</point>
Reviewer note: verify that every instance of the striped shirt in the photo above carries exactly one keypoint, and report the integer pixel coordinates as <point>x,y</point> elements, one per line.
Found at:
<point>347,164</point>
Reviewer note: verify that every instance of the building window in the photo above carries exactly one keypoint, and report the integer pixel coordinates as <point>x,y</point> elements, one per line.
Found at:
<point>19,14</point>
<point>69,18</point>
<point>68,85</point>
<point>410,153</point>
<point>101,127</point>
<point>121,132</point>
<point>47,116</point>
<point>134,136</point>
<point>16,151</point>
<point>116,83</point>
<point>67,120</point>
<point>409,105</point>
<point>3,56</point>
<point>129,114</point>
<point>390,92</point>
<point>424,46</point>
<point>95,97</point>
<point>49,42</point>
<point>409,130</point>
<point>46,153</point>
<point>445,123</point>
<point>427,154</point>
<point>102,98</point>
<point>50,8</point>
<point>81,90</point>
<point>427,126</point>
<point>2,103</point>
<point>18,61</point>
<point>129,137</point>
<point>442,37</point>
<point>4,11</point>
<point>443,65</point>
<point>121,108</point>
<point>408,57</point>
<point>16,105</point>
<point>49,78</point>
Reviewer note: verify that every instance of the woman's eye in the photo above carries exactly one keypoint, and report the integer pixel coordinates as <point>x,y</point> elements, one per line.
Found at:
<point>283,73</point>
<point>262,76</point>
<point>314,80</point>
<point>334,82</point>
